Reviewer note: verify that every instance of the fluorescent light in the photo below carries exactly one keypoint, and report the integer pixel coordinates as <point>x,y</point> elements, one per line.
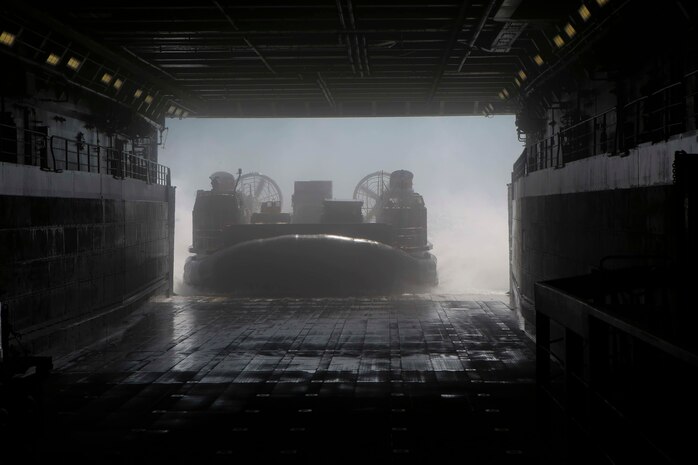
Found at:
<point>106,78</point>
<point>538,59</point>
<point>601,2</point>
<point>522,75</point>
<point>517,82</point>
<point>7,38</point>
<point>584,12</point>
<point>490,107</point>
<point>505,92</point>
<point>171,109</point>
<point>570,30</point>
<point>53,59</point>
<point>118,83</point>
<point>148,99</point>
<point>185,114</point>
<point>178,112</point>
<point>137,93</point>
<point>74,63</point>
<point>501,96</point>
<point>559,41</point>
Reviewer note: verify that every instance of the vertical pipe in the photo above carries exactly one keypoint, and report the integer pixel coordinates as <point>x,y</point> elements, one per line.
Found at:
<point>53,154</point>
<point>560,158</point>
<point>594,135</point>
<point>77,153</point>
<point>562,148</point>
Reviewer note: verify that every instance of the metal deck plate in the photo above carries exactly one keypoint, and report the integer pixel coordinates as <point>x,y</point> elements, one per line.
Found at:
<point>423,379</point>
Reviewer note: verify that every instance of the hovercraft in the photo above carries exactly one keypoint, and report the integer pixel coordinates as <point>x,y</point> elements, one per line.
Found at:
<point>373,244</point>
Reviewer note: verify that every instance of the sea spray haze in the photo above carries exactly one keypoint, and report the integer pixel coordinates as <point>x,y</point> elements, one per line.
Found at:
<point>461,166</point>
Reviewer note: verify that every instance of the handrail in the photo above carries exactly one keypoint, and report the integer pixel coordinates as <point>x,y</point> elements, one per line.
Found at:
<point>649,118</point>
<point>583,122</point>
<point>78,155</point>
<point>666,88</point>
<point>637,100</point>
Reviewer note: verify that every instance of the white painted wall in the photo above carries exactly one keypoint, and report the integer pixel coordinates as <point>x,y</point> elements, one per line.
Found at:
<point>27,180</point>
<point>647,165</point>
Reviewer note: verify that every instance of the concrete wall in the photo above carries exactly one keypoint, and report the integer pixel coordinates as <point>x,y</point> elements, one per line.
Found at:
<point>78,250</point>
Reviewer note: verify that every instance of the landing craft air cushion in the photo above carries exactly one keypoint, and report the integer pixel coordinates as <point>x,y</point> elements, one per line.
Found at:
<point>373,244</point>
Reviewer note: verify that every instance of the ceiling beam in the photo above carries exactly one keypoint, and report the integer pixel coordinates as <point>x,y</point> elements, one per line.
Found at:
<point>476,33</point>
<point>47,20</point>
<point>325,90</point>
<point>347,40</point>
<point>244,38</point>
<point>452,40</point>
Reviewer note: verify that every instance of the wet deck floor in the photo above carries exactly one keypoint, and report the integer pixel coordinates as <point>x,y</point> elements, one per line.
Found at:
<point>418,379</point>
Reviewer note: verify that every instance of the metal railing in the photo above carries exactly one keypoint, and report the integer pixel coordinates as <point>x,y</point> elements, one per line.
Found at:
<point>592,366</point>
<point>651,118</point>
<point>73,155</point>
<point>57,154</point>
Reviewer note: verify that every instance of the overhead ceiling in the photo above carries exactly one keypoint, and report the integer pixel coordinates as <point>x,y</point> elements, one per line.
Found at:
<point>316,58</point>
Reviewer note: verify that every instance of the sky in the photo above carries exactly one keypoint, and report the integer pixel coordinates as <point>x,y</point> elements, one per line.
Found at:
<point>461,166</point>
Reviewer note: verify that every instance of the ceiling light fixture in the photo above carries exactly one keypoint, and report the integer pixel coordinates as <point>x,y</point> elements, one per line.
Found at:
<point>73,63</point>
<point>7,38</point>
<point>584,12</point>
<point>53,59</point>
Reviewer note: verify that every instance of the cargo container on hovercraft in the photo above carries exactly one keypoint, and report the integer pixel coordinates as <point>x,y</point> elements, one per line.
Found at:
<point>373,244</point>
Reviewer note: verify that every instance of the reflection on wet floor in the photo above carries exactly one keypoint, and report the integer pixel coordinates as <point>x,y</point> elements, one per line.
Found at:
<point>423,379</point>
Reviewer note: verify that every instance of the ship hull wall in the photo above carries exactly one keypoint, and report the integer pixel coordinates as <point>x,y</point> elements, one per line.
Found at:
<point>78,252</point>
<point>564,221</point>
